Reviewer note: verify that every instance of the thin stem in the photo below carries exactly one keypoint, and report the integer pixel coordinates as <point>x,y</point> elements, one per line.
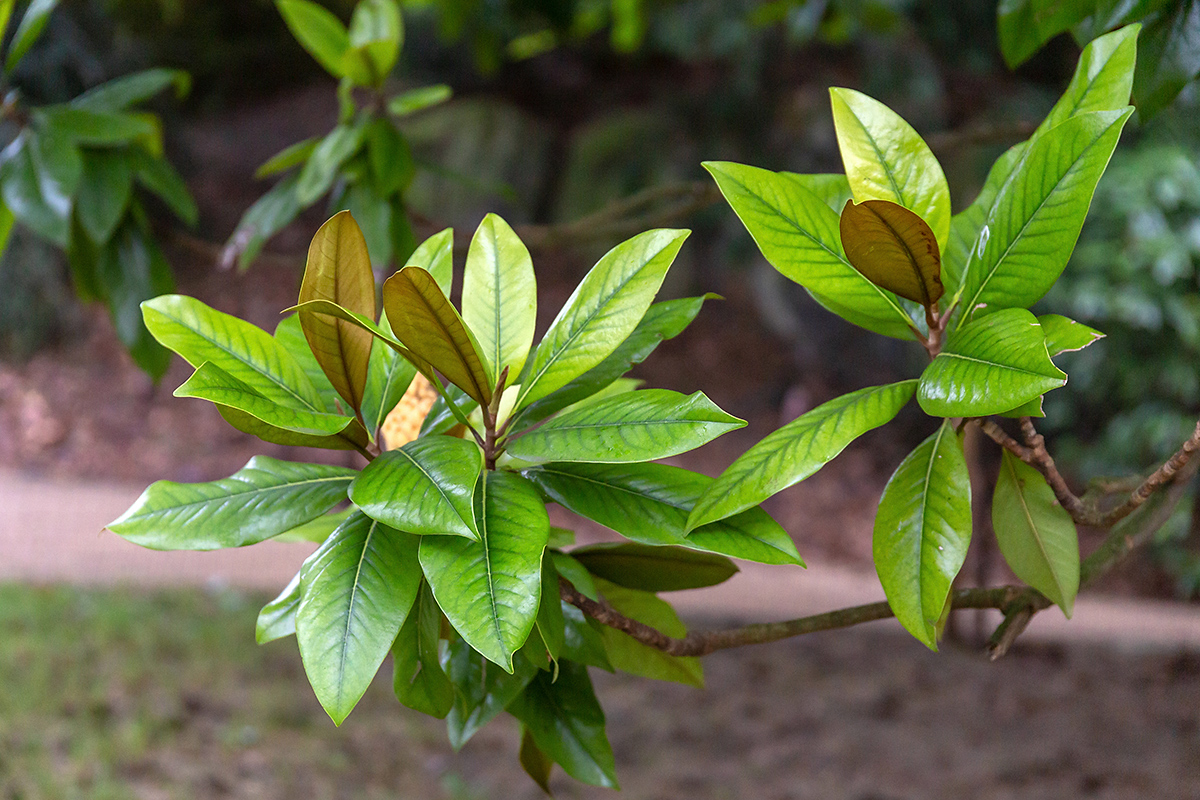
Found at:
<point>1159,478</point>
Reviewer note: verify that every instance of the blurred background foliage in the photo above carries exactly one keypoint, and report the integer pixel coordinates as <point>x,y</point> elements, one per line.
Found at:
<point>563,107</point>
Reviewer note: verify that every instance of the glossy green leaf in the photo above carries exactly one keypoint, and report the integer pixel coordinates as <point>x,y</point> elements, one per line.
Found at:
<point>638,426</point>
<point>418,679</point>
<point>893,248</point>
<point>104,191</point>
<point>129,90</point>
<point>654,569</point>
<point>157,176</point>
<point>270,214</point>
<point>425,321</point>
<point>886,159</point>
<point>28,31</point>
<point>1102,81</point>
<point>278,617</point>
<point>1031,229</point>
<point>327,157</point>
<point>425,487</point>
<point>922,530</point>
<point>550,626</point>
<point>92,128</point>
<point>1065,335</point>
<point>290,156</point>
<point>992,365</point>
<point>574,573</point>
<point>315,531</point>
<point>535,762</point>
<point>319,32</point>
<point>355,594</point>
<point>798,234</point>
<point>833,188</point>
<point>338,270</point>
<point>199,333</point>
<point>22,192</point>
<point>132,270</point>
<point>629,655</point>
<point>583,639</point>
<point>649,503</point>
<point>602,311</point>
<point>1025,25</point>
<point>435,256</point>
<point>214,384</point>
<point>59,166</point>
<point>499,298</point>
<point>798,449</point>
<point>261,500</point>
<point>490,589</point>
<point>419,99</point>
<point>565,720</point>
<point>1170,56</point>
<point>664,320</point>
<point>1036,535</point>
<point>353,437</point>
<point>481,691</point>
<point>378,31</point>
<point>290,336</point>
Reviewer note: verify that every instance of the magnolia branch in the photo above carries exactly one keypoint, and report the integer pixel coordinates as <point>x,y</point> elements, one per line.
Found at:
<point>1154,500</point>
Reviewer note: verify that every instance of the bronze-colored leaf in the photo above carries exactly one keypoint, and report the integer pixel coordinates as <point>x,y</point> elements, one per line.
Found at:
<point>894,248</point>
<point>425,322</point>
<point>339,270</point>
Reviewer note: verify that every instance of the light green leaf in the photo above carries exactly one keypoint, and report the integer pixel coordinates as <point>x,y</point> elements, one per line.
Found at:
<point>290,156</point>
<point>28,32</point>
<point>91,128</point>
<point>566,721</point>
<point>602,311</point>
<point>377,32</point>
<point>574,573</point>
<point>654,569</point>
<point>199,333</point>
<point>1102,81</point>
<point>278,617</point>
<point>327,157</point>
<point>886,159</point>
<point>354,597</point>
<point>480,691</point>
<point>6,9</point>
<point>490,589</point>
<point>499,299</point>
<point>425,487</point>
<point>388,378</point>
<point>833,188</point>
<point>315,531</point>
<point>1036,535</point>
<point>994,364</point>
<point>419,99</point>
<point>290,336</point>
<point>1029,233</point>
<point>798,449</point>
<point>435,256</point>
<point>922,530</point>
<point>264,498</point>
<point>629,655</point>
<point>270,214</point>
<point>630,427</point>
<point>798,234</point>
<point>1065,335</point>
<point>353,437</point>
<point>104,192</point>
<point>418,680</point>
<point>318,31</point>
<point>129,90</point>
<point>649,503</point>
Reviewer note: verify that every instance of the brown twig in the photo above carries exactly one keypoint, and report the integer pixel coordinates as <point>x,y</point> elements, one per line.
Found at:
<point>1159,478</point>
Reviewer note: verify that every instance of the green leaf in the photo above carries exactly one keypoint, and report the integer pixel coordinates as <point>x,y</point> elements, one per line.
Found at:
<point>649,503</point>
<point>418,99</point>
<point>1036,535</point>
<point>893,248</point>
<point>377,31</point>
<point>6,9</point>
<point>499,298</point>
<point>315,531</point>
<point>537,764</point>
<point>1025,25</point>
<point>602,311</point>
<point>425,487</point>
<point>886,159</point>
<point>1170,57</point>
<point>1029,233</point>
<point>373,212</point>
<point>6,217</point>
<point>264,498</point>
<point>290,336</point>
<point>270,214</point>
<point>392,165</point>
<point>629,655</point>
<point>664,320</point>
<point>833,188</point>
<point>418,680</point>
<point>92,128</point>
<point>435,256</point>
<point>798,449</point>
<point>490,589</point>
<point>566,721</point>
<point>278,617</point>
<point>352,437</point>
<point>550,625</point>
<point>388,378</point>
<point>992,365</point>
<point>214,384</point>
<point>481,692</point>
<point>104,192</point>
<point>290,156</point>
<point>21,189</point>
<point>354,597</point>
<point>158,177</point>
<point>132,270</point>
<point>631,427</point>
<point>318,31</point>
<point>338,270</point>
<point>425,321</point>
<point>574,573</point>
<point>583,640</point>
<point>1102,80</point>
<point>28,31</point>
<point>129,90</point>
<point>1065,335</point>
<point>922,530</point>
<point>327,157</point>
<point>654,569</point>
<point>199,333</point>
<point>59,166</point>
<point>798,234</point>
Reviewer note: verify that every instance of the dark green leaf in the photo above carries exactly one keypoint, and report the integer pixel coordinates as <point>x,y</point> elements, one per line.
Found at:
<point>28,32</point>
<point>318,31</point>
<point>574,573</point>
<point>392,165</point>
<point>129,90</point>
<point>629,655</point>
<point>278,617</point>
<point>290,336</point>
<point>104,192</point>
<point>481,691</point>
<point>92,128</point>
<point>270,214</point>
<point>550,624</point>
<point>48,217</point>
<point>1025,25</point>
<point>654,569</point>
<point>1170,57</point>
<point>583,640</point>
<point>133,270</point>
<point>388,378</point>
<point>160,178</point>
<point>419,681</point>
<point>322,166</point>
<point>59,165</point>
<point>537,764</point>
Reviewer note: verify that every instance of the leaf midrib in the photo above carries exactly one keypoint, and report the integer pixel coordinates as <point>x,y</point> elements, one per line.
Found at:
<point>167,509</point>
<point>1033,528</point>
<point>343,655</point>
